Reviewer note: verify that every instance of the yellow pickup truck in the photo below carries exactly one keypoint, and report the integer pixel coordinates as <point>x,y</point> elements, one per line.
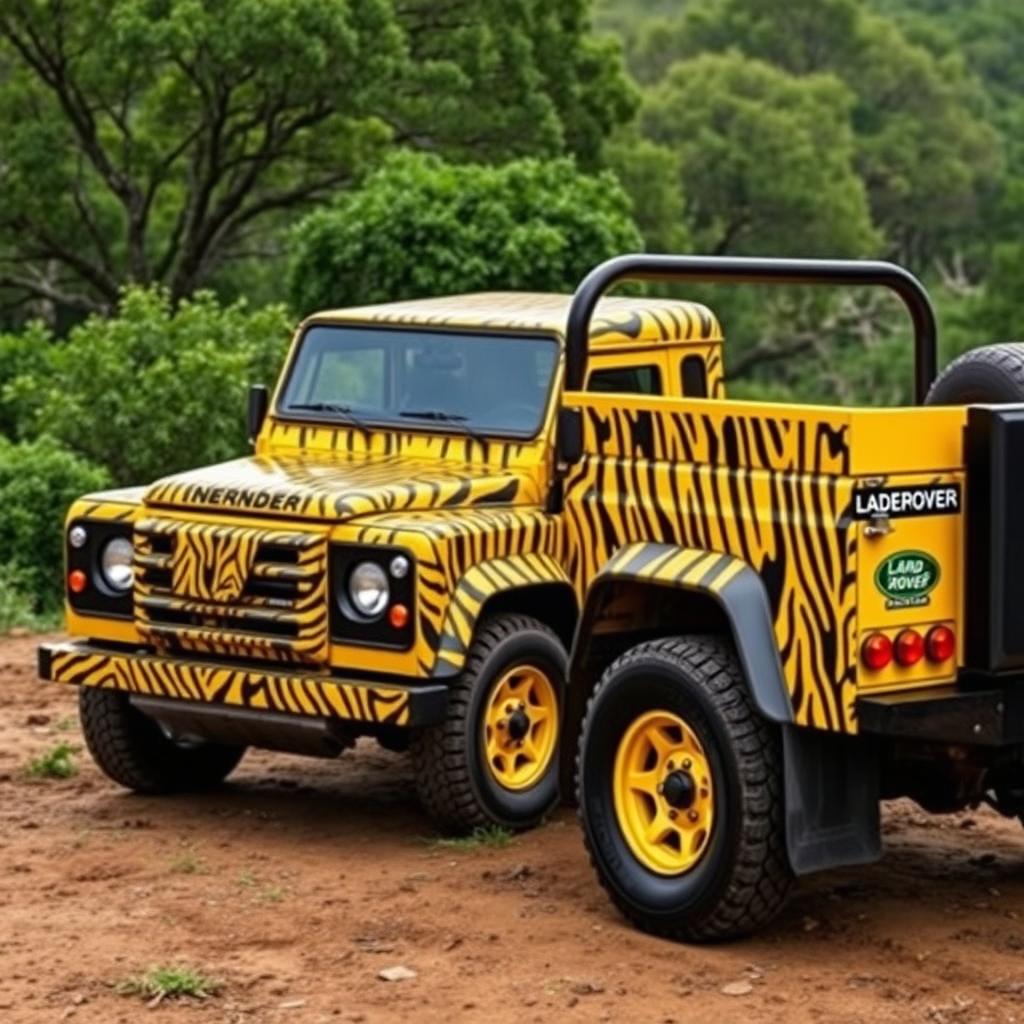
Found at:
<point>510,532</point>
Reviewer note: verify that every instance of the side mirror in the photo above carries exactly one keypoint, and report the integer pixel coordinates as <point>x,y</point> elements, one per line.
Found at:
<point>569,438</point>
<point>259,401</point>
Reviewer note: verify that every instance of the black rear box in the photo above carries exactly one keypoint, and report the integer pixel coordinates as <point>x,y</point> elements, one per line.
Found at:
<point>995,539</point>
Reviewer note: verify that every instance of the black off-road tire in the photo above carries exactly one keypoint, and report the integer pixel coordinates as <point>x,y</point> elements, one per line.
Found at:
<point>133,751</point>
<point>993,374</point>
<point>452,780</point>
<point>743,877</point>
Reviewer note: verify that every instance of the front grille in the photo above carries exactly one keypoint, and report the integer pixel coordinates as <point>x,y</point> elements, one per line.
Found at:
<point>237,591</point>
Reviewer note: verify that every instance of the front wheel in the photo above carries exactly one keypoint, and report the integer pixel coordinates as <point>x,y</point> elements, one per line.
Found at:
<point>680,793</point>
<point>132,750</point>
<point>494,760</point>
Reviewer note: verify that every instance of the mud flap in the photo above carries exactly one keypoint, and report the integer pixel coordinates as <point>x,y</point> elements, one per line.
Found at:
<point>832,800</point>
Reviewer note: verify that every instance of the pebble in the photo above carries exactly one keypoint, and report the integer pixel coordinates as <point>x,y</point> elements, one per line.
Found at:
<point>737,988</point>
<point>397,973</point>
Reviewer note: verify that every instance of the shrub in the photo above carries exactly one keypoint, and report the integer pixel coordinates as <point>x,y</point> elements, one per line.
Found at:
<point>154,390</point>
<point>38,481</point>
<point>421,227</point>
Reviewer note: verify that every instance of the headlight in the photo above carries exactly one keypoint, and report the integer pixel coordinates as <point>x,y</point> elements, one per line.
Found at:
<point>368,589</point>
<point>116,564</point>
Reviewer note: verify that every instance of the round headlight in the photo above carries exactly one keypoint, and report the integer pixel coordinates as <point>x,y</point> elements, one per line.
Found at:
<point>116,564</point>
<point>368,589</point>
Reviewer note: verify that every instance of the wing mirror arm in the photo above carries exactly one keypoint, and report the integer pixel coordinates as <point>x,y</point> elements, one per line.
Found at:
<point>569,436</point>
<point>259,402</point>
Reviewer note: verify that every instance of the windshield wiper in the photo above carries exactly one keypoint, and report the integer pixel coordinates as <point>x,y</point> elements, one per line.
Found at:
<point>344,411</point>
<point>440,416</point>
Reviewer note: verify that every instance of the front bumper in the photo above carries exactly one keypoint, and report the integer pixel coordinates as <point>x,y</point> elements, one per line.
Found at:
<point>210,684</point>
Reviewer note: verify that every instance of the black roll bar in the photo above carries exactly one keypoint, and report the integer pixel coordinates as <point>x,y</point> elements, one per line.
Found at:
<point>746,270</point>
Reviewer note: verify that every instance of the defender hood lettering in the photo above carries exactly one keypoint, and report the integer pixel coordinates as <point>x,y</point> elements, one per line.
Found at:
<point>341,489</point>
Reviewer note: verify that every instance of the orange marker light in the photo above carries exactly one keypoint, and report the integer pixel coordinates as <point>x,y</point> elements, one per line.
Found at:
<point>877,651</point>
<point>909,647</point>
<point>77,581</point>
<point>940,644</point>
<point>398,616</point>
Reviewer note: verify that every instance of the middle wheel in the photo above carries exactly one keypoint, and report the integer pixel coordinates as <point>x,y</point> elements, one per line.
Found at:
<point>494,760</point>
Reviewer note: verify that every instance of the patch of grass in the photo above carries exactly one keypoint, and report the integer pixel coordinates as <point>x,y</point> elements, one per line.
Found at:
<point>174,982</point>
<point>493,836</point>
<point>187,862</point>
<point>57,763</point>
<point>262,892</point>
<point>66,723</point>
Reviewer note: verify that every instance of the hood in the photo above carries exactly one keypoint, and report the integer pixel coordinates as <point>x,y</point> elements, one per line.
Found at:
<point>340,489</point>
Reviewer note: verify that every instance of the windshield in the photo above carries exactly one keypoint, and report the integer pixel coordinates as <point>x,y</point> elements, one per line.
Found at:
<point>466,382</point>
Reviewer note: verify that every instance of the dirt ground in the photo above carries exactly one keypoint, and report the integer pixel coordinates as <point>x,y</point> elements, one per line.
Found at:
<point>301,880</point>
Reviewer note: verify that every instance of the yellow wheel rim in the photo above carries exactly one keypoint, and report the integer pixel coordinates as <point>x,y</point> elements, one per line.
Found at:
<point>520,727</point>
<point>664,793</point>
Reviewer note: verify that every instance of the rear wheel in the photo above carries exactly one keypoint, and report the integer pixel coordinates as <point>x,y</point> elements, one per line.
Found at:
<point>680,793</point>
<point>494,760</point>
<point>132,750</point>
<point>993,374</point>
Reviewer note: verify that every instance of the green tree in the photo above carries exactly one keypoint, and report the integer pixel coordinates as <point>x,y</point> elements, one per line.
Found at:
<point>159,140</point>
<point>765,159</point>
<point>923,147</point>
<point>155,389</point>
<point>421,227</point>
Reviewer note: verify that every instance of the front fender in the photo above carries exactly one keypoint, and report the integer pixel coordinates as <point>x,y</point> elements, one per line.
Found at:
<point>476,587</point>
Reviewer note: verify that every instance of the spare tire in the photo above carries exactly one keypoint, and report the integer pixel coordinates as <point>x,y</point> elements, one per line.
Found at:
<point>990,375</point>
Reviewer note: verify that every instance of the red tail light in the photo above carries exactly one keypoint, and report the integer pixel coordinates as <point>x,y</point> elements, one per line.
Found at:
<point>398,616</point>
<point>77,581</point>
<point>877,651</point>
<point>940,644</point>
<point>909,647</point>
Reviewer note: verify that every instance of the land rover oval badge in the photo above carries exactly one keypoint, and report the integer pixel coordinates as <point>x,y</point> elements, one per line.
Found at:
<point>906,578</point>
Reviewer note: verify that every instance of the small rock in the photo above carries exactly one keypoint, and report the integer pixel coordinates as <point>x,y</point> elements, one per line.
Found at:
<point>397,973</point>
<point>292,1004</point>
<point>810,924</point>
<point>737,988</point>
<point>37,719</point>
<point>587,988</point>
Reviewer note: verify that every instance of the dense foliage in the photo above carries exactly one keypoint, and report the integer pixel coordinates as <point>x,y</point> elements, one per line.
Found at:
<point>422,227</point>
<point>173,171</point>
<point>38,480</point>
<point>153,390</point>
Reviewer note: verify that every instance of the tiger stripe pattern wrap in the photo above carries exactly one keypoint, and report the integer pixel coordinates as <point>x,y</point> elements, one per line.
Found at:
<point>773,491</point>
<point>262,690</point>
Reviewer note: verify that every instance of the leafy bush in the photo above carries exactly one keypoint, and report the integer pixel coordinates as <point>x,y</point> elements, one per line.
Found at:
<point>38,481</point>
<point>155,389</point>
<point>422,227</point>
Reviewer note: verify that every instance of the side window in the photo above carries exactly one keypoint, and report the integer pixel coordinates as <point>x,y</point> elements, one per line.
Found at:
<point>629,380</point>
<point>695,377</point>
